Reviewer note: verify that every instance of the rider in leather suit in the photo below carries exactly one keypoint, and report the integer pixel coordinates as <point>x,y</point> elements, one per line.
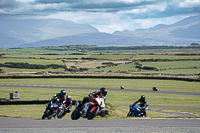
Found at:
<point>68,104</point>
<point>100,93</point>
<point>60,97</point>
<point>143,103</point>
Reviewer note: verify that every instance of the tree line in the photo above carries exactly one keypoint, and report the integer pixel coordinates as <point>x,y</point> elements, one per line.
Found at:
<point>30,66</point>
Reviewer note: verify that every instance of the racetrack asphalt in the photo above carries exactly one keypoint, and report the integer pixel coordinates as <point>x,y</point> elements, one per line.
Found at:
<point>110,89</point>
<point>33,125</point>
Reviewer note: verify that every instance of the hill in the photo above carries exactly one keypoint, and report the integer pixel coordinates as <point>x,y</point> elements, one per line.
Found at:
<point>183,32</point>
<point>99,39</point>
<point>14,32</point>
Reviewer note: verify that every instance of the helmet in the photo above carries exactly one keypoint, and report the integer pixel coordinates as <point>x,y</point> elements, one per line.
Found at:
<point>103,91</point>
<point>68,97</point>
<point>142,97</point>
<point>62,93</point>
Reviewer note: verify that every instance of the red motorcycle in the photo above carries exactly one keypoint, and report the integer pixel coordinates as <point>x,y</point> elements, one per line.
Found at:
<point>90,109</point>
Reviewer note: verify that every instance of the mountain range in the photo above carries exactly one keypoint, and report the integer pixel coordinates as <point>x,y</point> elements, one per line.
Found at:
<point>55,32</point>
<point>15,32</point>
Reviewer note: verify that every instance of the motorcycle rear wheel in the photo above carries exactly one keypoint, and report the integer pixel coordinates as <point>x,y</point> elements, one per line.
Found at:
<point>145,114</point>
<point>91,114</point>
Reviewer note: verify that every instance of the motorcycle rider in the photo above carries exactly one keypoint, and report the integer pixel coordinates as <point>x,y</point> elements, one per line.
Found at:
<point>60,97</point>
<point>102,92</point>
<point>68,104</point>
<point>143,104</point>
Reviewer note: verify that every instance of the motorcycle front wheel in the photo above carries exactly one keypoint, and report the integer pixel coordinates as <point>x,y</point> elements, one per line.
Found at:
<point>130,114</point>
<point>75,115</point>
<point>61,113</point>
<point>46,114</point>
<point>92,112</point>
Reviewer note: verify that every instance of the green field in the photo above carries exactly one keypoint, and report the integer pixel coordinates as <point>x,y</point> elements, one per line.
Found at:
<point>164,85</point>
<point>122,64</point>
<point>113,98</point>
<point>86,49</point>
<point>103,61</point>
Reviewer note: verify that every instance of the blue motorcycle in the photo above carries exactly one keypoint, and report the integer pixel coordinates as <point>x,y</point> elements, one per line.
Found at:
<point>51,109</point>
<point>136,111</point>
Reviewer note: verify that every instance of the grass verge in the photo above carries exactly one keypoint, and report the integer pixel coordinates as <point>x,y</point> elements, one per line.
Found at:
<point>114,99</point>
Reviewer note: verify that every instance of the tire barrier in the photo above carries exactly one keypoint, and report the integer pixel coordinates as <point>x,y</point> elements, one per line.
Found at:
<point>172,77</point>
<point>17,102</point>
<point>22,102</point>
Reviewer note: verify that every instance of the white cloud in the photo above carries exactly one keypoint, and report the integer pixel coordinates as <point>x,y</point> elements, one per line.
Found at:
<point>25,1</point>
<point>189,3</point>
<point>105,15</point>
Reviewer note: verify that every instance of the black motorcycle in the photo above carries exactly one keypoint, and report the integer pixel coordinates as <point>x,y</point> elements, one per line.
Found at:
<point>62,110</point>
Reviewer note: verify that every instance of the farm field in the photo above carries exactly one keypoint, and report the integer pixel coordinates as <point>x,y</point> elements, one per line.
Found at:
<point>139,60</point>
<point>86,49</point>
<point>109,63</point>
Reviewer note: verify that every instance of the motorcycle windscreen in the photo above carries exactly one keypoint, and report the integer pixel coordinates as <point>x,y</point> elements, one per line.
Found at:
<point>55,105</point>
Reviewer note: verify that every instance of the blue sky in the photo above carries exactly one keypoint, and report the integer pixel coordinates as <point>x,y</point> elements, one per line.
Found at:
<point>105,15</point>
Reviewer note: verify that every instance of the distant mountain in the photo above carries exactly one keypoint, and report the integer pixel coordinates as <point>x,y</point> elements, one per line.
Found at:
<point>6,40</point>
<point>40,33</point>
<point>99,39</point>
<point>14,32</point>
<point>183,32</point>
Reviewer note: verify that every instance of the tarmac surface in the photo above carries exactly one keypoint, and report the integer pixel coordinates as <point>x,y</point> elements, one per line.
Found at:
<point>110,89</point>
<point>33,125</point>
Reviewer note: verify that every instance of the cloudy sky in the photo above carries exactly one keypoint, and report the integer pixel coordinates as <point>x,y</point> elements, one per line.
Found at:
<point>105,15</point>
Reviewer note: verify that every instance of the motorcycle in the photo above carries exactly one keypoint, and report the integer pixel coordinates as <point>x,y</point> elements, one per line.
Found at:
<point>53,109</point>
<point>61,111</point>
<point>135,110</point>
<point>90,109</point>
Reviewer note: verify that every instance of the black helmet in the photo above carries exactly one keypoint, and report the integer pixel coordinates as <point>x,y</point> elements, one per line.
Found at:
<point>68,97</point>
<point>103,91</point>
<point>142,97</point>
<point>62,93</point>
